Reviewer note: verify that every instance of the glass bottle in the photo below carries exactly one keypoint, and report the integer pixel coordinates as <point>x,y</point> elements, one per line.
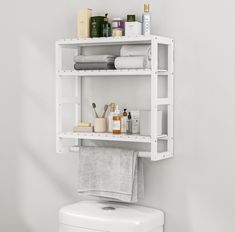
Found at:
<point>117,122</point>
<point>129,124</point>
<point>106,27</point>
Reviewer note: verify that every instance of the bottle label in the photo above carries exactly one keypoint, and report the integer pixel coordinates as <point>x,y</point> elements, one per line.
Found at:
<point>116,125</point>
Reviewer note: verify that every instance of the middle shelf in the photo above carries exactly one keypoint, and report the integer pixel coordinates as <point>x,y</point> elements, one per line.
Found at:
<point>115,72</point>
<point>109,137</point>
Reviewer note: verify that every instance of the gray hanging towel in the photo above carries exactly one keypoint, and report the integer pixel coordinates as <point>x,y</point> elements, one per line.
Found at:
<point>112,173</point>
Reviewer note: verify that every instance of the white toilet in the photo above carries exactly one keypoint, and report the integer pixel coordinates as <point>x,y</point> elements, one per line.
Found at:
<point>93,216</point>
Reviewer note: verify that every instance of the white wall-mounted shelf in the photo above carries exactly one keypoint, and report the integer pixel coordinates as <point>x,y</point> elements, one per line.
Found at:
<point>123,72</point>
<point>109,137</point>
<point>71,43</point>
<point>153,73</point>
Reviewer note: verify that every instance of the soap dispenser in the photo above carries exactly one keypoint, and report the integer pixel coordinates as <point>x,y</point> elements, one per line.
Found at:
<point>117,121</point>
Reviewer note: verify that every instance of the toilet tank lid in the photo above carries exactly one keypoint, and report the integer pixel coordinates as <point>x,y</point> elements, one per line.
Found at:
<point>110,216</point>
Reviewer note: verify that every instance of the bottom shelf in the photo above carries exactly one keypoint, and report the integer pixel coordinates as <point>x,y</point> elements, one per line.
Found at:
<point>119,138</point>
<point>110,137</point>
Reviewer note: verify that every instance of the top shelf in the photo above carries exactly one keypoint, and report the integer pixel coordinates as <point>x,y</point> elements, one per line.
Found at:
<point>73,43</point>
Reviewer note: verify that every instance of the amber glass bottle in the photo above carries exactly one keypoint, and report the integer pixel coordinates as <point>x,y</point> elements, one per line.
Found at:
<point>117,122</point>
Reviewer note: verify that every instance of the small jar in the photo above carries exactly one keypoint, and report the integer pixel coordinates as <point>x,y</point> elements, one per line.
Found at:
<point>117,32</point>
<point>118,26</point>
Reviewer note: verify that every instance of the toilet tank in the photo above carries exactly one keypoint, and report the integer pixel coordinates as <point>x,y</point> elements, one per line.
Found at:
<point>93,216</point>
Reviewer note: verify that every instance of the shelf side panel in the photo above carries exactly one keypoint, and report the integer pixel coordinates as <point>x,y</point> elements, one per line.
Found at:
<point>154,96</point>
<point>170,119</point>
<point>58,57</point>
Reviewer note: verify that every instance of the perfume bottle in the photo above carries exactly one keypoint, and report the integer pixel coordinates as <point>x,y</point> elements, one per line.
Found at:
<point>146,20</point>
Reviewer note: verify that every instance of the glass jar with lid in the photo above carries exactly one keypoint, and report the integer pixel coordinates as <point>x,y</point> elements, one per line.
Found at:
<point>118,26</point>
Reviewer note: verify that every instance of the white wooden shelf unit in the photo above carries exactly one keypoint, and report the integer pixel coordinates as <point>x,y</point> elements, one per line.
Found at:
<point>154,74</point>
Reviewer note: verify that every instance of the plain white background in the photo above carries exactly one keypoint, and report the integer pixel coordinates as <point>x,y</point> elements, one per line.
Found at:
<point>195,189</point>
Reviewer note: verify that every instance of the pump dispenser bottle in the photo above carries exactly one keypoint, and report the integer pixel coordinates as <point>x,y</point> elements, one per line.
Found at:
<point>110,117</point>
<point>117,121</point>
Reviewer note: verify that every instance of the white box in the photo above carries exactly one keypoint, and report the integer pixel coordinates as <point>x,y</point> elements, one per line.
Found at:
<point>145,122</point>
<point>135,116</point>
<point>132,28</point>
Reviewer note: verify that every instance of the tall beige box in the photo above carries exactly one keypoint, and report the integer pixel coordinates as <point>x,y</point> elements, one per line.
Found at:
<point>83,23</point>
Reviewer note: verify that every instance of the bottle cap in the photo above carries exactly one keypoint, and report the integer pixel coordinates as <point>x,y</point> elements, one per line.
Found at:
<point>129,115</point>
<point>146,7</point>
<point>130,18</point>
<point>106,19</point>
<point>112,107</point>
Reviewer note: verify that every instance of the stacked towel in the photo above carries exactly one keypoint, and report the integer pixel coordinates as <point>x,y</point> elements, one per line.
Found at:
<point>134,57</point>
<point>94,62</point>
<point>132,62</point>
<point>112,173</point>
<point>136,50</point>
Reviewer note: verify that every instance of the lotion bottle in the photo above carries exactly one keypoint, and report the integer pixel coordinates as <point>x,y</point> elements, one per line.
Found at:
<point>146,20</point>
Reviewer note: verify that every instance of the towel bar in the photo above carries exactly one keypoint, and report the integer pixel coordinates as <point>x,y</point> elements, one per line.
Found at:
<point>142,154</point>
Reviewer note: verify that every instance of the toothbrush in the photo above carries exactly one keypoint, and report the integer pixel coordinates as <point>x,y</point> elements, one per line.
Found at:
<point>94,106</point>
<point>105,109</point>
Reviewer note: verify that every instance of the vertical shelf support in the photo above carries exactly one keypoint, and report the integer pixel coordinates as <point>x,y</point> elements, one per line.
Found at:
<point>78,95</point>
<point>155,155</point>
<point>154,96</point>
<point>58,96</point>
<point>170,118</point>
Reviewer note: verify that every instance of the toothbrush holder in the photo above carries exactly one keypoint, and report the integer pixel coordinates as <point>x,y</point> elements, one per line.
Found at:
<point>100,125</point>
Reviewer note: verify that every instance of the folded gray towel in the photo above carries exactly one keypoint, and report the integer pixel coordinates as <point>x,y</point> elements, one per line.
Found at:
<point>94,58</point>
<point>111,173</point>
<point>132,62</point>
<point>93,66</point>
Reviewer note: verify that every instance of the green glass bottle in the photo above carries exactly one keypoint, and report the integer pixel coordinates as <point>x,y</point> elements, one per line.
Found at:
<point>106,27</point>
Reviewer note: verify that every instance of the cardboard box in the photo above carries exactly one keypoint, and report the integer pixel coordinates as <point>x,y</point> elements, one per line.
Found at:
<point>83,23</point>
<point>83,129</point>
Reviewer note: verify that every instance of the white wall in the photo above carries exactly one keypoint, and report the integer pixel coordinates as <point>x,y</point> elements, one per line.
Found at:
<point>195,189</point>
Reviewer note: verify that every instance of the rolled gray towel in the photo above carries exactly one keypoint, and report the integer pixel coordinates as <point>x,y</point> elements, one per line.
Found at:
<point>94,58</point>
<point>93,66</point>
<point>132,62</point>
<point>136,50</point>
